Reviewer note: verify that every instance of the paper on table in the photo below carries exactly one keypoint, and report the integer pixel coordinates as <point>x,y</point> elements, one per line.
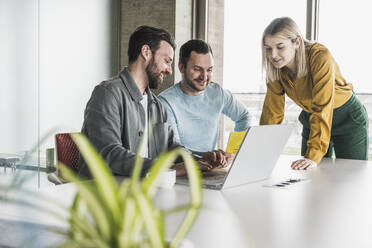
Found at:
<point>235,140</point>
<point>287,183</point>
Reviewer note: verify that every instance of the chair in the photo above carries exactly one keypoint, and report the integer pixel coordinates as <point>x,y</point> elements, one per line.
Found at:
<point>66,153</point>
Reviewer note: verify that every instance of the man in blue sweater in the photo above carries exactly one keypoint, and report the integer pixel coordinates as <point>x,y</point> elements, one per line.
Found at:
<point>120,111</point>
<point>195,104</point>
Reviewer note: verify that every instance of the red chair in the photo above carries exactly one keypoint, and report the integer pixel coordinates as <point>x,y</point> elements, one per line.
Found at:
<point>66,151</point>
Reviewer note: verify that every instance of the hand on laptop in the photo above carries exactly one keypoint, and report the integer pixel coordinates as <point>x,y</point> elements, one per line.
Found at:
<point>181,169</point>
<point>218,158</point>
<point>303,164</point>
<point>211,160</point>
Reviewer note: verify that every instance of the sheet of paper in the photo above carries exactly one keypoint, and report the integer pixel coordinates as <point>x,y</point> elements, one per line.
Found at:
<point>235,140</point>
<point>287,183</point>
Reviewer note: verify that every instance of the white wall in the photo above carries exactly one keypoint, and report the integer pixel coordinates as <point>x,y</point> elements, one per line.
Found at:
<point>75,55</point>
<point>77,50</point>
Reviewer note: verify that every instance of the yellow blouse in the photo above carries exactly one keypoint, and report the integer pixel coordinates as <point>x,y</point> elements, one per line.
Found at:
<point>318,93</point>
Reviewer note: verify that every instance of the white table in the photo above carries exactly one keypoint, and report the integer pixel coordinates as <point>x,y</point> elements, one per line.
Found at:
<point>333,209</point>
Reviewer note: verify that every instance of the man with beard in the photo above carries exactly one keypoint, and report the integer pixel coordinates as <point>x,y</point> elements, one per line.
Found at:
<point>195,104</point>
<point>122,110</point>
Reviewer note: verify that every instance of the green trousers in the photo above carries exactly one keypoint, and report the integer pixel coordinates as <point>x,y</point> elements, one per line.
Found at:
<point>349,133</point>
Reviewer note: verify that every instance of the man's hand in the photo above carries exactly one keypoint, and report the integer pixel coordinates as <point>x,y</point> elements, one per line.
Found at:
<point>211,160</point>
<point>181,169</point>
<point>303,164</point>
<point>218,158</point>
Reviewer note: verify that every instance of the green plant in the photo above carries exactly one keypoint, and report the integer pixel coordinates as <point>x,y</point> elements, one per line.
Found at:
<point>106,214</point>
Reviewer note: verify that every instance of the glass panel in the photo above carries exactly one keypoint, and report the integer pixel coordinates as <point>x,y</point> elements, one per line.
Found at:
<point>52,55</point>
<point>18,76</point>
<point>77,51</point>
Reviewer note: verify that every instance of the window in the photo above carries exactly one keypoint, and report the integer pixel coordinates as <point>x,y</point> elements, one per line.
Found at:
<point>348,39</point>
<point>244,25</point>
<point>347,35</point>
<point>243,28</point>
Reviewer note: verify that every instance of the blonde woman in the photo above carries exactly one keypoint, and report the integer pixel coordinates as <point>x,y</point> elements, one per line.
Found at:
<point>332,116</point>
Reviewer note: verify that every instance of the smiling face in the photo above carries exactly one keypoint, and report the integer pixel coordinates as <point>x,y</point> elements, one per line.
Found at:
<point>281,52</point>
<point>160,65</point>
<point>197,74</point>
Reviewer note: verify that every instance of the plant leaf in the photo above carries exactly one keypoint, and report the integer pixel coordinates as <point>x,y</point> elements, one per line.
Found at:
<point>136,171</point>
<point>128,218</point>
<point>149,218</point>
<point>164,161</point>
<point>102,175</point>
<point>195,198</point>
<point>177,209</point>
<point>92,198</point>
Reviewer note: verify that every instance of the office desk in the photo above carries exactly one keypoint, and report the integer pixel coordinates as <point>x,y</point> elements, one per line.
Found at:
<point>332,210</point>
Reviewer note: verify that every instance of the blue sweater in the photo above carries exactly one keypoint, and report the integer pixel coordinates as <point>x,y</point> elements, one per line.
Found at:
<point>195,119</point>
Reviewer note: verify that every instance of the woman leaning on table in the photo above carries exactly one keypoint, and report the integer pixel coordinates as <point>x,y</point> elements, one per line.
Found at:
<point>332,116</point>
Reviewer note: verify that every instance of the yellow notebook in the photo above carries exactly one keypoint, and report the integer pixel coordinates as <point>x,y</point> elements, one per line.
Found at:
<point>235,140</point>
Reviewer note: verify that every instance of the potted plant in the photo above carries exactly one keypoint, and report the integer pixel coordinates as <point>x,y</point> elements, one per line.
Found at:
<point>107,214</point>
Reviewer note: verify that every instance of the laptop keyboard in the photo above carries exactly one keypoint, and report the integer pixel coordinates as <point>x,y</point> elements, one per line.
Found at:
<point>211,179</point>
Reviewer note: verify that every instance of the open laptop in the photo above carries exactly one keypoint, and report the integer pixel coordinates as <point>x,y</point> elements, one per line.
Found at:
<point>254,161</point>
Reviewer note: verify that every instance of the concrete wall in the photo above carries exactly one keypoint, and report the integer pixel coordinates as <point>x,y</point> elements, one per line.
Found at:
<point>215,29</point>
<point>175,16</point>
<point>215,36</point>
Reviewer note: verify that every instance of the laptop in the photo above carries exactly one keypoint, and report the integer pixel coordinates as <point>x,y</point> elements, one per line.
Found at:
<point>254,161</point>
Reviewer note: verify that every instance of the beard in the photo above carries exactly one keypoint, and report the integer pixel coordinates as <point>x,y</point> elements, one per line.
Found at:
<point>153,76</point>
<point>190,85</point>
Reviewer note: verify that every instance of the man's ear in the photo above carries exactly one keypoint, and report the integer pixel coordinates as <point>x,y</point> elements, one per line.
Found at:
<point>146,52</point>
<point>181,67</point>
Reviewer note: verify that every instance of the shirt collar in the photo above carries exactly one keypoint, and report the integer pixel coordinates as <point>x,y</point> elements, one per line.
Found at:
<point>132,87</point>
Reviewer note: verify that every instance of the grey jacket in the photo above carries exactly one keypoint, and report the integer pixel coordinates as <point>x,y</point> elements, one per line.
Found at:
<point>114,122</point>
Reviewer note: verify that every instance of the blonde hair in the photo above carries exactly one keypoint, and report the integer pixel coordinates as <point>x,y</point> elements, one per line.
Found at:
<point>284,28</point>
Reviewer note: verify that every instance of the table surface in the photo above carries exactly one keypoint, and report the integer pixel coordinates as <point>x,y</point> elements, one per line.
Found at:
<point>332,209</point>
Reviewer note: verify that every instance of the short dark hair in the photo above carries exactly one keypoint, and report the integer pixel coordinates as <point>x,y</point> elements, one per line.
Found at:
<point>198,46</point>
<point>146,35</point>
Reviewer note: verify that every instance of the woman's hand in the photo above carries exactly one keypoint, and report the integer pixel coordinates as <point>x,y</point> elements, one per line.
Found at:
<point>303,164</point>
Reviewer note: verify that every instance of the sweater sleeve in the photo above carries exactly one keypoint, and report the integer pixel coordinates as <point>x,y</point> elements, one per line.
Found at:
<point>322,72</point>
<point>236,111</point>
<point>171,118</point>
<point>273,108</point>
